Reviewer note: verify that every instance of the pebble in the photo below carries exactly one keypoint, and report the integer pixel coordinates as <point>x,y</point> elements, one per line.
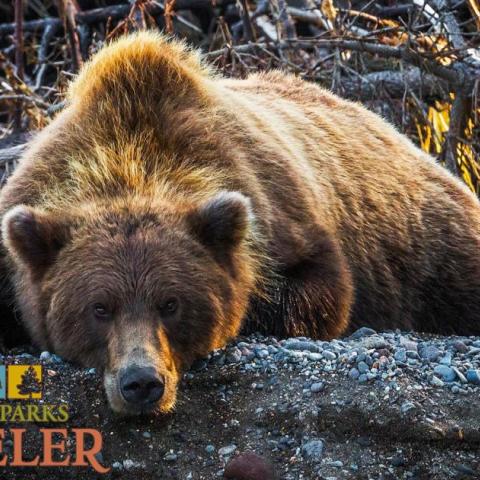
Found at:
<point>465,470</point>
<point>234,355</point>
<point>437,382</point>
<point>317,387</point>
<point>313,450</point>
<point>210,449</point>
<point>354,373</point>
<point>329,355</point>
<point>45,356</point>
<point>398,461</point>
<point>292,344</point>
<point>171,457</point>
<point>459,374</point>
<point>445,373</point>
<point>56,359</point>
<point>408,344</point>
<point>473,376</point>
<point>459,346</point>
<point>362,367</point>
<point>407,407</point>
<point>447,359</point>
<point>401,355</point>
<point>428,352</point>
<point>375,342</point>
<point>227,451</point>
<point>362,332</point>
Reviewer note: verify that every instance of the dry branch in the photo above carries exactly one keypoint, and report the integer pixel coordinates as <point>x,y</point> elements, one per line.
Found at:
<point>114,12</point>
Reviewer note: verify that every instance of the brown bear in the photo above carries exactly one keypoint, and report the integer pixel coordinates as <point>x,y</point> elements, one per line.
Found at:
<point>166,207</point>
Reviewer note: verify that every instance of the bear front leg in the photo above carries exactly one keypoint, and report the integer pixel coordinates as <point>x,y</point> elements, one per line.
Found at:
<point>310,297</point>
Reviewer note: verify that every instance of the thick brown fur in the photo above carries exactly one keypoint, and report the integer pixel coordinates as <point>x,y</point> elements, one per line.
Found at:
<point>335,220</point>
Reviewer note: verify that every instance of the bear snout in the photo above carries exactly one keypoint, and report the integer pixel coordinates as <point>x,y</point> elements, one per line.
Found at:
<point>141,386</point>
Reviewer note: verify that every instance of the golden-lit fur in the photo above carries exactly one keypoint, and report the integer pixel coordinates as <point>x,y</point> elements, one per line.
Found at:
<point>350,223</point>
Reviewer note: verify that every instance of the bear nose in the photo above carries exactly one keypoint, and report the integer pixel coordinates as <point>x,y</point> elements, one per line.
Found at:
<point>141,385</point>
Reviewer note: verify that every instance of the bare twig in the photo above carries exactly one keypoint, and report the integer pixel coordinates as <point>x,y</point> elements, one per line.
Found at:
<point>114,12</point>
<point>47,36</point>
<point>456,75</point>
<point>168,14</point>
<point>19,56</point>
<point>248,29</point>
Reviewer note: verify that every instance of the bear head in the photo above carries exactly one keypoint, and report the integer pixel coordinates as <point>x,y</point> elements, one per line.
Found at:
<point>138,291</point>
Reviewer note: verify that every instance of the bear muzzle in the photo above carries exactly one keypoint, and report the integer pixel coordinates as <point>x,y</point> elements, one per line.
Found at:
<point>141,386</point>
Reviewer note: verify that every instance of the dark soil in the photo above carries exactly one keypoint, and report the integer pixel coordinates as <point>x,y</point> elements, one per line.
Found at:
<point>364,432</point>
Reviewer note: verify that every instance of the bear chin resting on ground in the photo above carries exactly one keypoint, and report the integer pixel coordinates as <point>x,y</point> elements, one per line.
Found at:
<point>166,208</point>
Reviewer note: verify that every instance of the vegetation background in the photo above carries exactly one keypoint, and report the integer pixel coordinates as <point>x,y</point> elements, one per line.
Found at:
<point>417,62</point>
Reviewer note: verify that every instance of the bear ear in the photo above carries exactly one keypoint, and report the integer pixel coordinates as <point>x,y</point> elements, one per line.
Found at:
<point>222,222</point>
<point>32,237</point>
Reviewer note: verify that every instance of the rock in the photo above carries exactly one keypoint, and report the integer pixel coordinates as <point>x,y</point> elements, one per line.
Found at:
<point>354,373</point>
<point>428,352</point>
<point>171,457</point>
<point>364,441</point>
<point>313,450</point>
<point>408,344</point>
<point>210,449</point>
<point>375,341</point>
<point>407,407</point>
<point>99,457</point>
<point>234,355</point>
<point>302,345</point>
<point>398,461</point>
<point>445,373</point>
<point>362,332</point>
<point>329,355</point>
<point>45,356</point>
<point>465,470</point>
<point>261,353</point>
<point>363,367</point>
<point>473,376</point>
<point>459,346</point>
<point>436,382</point>
<point>401,355</point>
<point>249,466</point>
<point>447,359</point>
<point>227,451</point>
<point>128,464</point>
<point>317,387</point>
<point>459,374</point>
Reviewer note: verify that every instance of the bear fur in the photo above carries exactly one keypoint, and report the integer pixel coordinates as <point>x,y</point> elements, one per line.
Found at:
<point>266,203</point>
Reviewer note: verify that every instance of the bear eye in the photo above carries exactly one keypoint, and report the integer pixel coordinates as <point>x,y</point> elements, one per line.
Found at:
<point>169,307</point>
<point>101,311</point>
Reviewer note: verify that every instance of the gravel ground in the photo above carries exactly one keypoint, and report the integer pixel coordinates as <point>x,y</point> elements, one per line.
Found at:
<point>372,406</point>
